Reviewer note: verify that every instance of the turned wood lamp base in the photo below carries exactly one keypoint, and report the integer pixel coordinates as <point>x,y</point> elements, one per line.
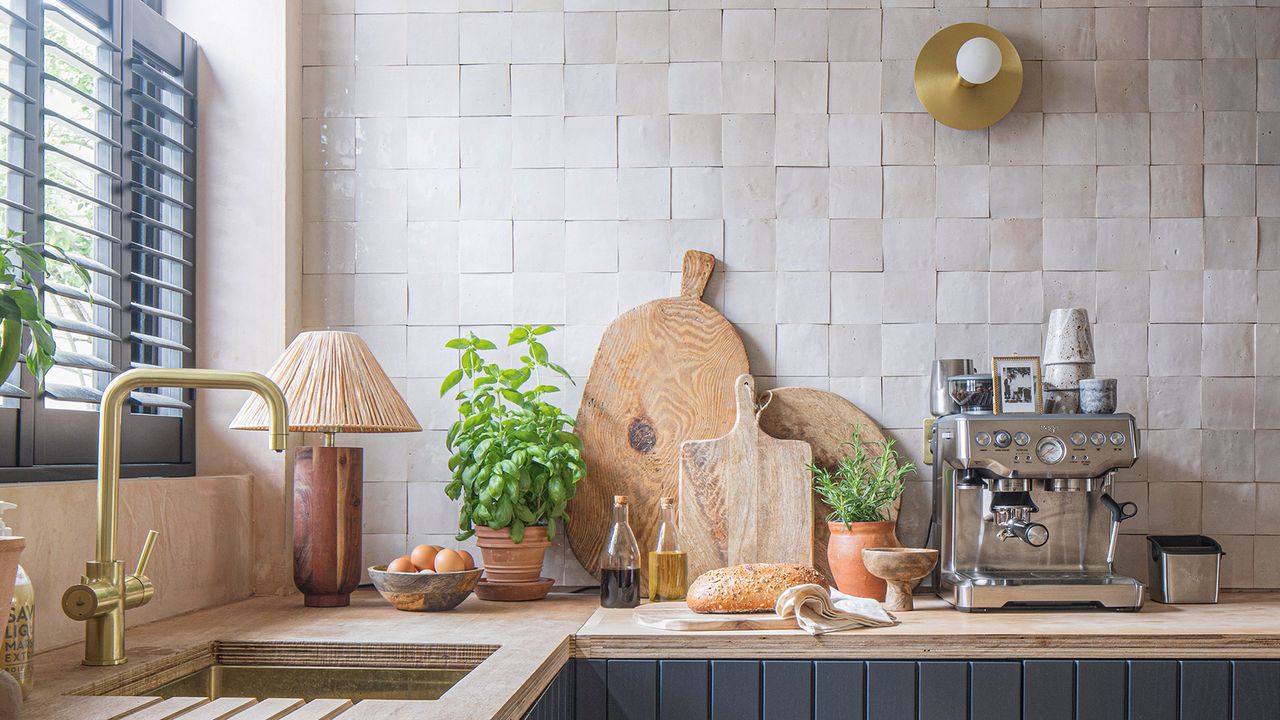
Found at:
<point>327,496</point>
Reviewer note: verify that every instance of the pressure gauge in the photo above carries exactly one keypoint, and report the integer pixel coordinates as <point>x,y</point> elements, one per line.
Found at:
<point>1050,450</point>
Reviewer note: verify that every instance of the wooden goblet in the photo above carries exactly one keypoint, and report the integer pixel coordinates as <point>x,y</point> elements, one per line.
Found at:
<point>901,568</point>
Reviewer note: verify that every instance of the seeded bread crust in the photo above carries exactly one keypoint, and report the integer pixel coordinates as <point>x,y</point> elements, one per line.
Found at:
<point>749,588</point>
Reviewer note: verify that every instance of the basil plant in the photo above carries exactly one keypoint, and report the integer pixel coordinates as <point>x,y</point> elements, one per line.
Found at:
<point>516,461</point>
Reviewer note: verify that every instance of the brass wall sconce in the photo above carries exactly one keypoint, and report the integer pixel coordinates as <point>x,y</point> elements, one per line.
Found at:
<point>968,76</point>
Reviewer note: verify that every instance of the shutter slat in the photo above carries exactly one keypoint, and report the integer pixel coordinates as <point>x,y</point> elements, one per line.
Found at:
<point>74,293</point>
<point>156,106</point>
<point>72,393</point>
<point>158,77</point>
<point>158,342</point>
<point>158,195</point>
<point>10,390</point>
<point>158,166</point>
<point>102,105</point>
<point>79,327</point>
<point>144,129</point>
<point>157,312</point>
<point>75,124</point>
<point>159,225</point>
<point>86,263</point>
<point>158,283</point>
<point>86,27</point>
<point>80,361</point>
<point>150,399</point>
<point>76,158</point>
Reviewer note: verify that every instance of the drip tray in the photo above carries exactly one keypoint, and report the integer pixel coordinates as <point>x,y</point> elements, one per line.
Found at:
<point>355,671</point>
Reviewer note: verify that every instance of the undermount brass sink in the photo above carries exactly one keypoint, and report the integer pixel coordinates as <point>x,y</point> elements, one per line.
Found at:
<point>354,671</point>
<point>309,683</point>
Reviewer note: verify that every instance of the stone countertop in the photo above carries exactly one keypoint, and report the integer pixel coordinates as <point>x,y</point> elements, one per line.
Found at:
<point>1242,625</point>
<point>536,638</point>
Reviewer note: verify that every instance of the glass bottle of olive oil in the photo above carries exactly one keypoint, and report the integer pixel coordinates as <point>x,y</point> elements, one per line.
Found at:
<point>668,564</point>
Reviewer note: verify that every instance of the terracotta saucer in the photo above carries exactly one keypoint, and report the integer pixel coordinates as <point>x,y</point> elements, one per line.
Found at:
<point>514,592</point>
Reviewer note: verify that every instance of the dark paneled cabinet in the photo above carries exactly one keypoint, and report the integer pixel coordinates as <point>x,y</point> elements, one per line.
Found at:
<point>913,690</point>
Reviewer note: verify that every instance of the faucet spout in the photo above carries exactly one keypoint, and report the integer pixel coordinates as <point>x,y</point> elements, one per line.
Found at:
<point>105,592</point>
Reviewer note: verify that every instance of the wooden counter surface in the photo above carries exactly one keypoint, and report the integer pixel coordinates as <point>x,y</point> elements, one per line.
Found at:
<point>1243,625</point>
<point>537,638</point>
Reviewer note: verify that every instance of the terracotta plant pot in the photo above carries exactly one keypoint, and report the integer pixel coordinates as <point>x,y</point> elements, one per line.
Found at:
<point>511,562</point>
<point>844,551</point>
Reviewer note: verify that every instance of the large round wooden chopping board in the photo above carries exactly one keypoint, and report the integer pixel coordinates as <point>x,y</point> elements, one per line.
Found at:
<point>824,420</point>
<point>664,373</point>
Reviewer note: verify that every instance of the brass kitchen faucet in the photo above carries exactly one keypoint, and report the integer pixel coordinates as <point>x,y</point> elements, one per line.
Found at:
<point>105,592</point>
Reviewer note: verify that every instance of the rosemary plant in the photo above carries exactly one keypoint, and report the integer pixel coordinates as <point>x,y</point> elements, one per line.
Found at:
<point>863,485</point>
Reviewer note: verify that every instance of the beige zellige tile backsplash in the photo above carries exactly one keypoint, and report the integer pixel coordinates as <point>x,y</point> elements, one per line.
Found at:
<point>475,163</point>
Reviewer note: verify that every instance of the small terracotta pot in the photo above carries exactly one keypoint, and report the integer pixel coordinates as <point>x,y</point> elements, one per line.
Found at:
<point>511,562</point>
<point>844,552</point>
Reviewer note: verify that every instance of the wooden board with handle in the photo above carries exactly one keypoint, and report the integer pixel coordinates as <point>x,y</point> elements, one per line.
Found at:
<point>825,421</point>
<point>663,374</point>
<point>745,497</point>
<point>678,616</point>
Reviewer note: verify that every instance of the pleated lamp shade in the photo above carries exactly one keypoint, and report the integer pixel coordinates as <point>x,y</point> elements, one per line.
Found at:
<point>333,384</point>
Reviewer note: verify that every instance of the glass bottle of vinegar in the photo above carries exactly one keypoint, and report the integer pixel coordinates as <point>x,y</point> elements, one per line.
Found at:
<point>668,564</point>
<point>620,562</point>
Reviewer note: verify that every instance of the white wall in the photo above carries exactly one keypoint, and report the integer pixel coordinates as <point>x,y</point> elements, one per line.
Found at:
<point>473,163</point>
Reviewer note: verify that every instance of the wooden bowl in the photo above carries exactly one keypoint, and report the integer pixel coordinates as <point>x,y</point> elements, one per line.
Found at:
<point>416,592</point>
<point>901,568</point>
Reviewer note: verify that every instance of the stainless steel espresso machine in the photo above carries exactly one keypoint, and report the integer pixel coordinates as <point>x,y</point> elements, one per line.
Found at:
<point>1022,511</point>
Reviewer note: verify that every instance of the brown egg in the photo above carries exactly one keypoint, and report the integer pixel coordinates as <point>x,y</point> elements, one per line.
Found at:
<point>449,561</point>
<point>469,562</point>
<point>424,556</point>
<point>401,564</point>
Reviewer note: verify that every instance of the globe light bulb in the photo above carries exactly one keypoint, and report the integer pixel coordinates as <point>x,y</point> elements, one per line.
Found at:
<point>978,60</point>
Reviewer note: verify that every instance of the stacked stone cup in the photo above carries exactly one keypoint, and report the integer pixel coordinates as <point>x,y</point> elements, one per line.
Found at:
<point>1068,358</point>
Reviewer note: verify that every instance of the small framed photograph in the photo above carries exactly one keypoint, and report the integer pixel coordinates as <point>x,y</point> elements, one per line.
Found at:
<point>1017,384</point>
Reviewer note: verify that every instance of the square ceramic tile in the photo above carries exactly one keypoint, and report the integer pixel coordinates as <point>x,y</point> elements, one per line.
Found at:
<point>642,37</point>
<point>1177,138</point>
<point>1122,33</point>
<point>1174,298</point>
<point>329,144</point>
<point>591,194</point>
<point>908,138</point>
<point>856,245</point>
<point>1121,85</point>
<point>962,191</point>
<point>696,193</point>
<point>910,296</point>
<point>644,141</point>
<point>1070,191</point>
<point>748,192</point>
<point>483,143</point>
<point>1068,34</point>
<point>1227,403</point>
<point>908,244</point>
<point>747,140</point>
<point>328,40</point>
<point>1124,244</point>
<point>1177,191</point>
<point>537,90</point>
<point>1229,508</point>
<point>803,297</point>
<point>1016,245</point>
<point>1230,137</point>
<point>855,351</point>
<point>1069,243</point>
<point>1227,32</point>
<point>1124,191</point>
<point>1124,139</point>
<point>802,193</point>
<point>1173,403</point>
<point>749,244</point>
<point>1229,190</point>
<point>1230,295</point>
<point>897,87</point>
<point>747,87</point>
<point>854,35</point>
<point>1174,85</point>
<point>801,87</point>
<point>590,89</point>
<point>1175,33</point>
<point>1231,243</point>
<point>1269,85</point>
<point>800,140</point>
<point>1018,139</point>
<point>959,147</point>
<point>590,37</point>
<point>854,139</point>
<point>854,87</point>
<point>1230,84</point>
<point>908,191</point>
<point>695,35</point>
<point>1070,139</point>
<point>962,297</point>
<point>749,297</point>
<point>1268,191</point>
<point>905,30</point>
<point>1068,86</point>
<point>802,350</point>
<point>694,87</point>
<point>644,193</point>
<point>695,140</point>
<point>906,349</point>
<point>540,40</point>
<point>1074,288</point>
<point>1173,463</point>
<point>800,34</point>
<point>857,297</point>
<point>1171,351</point>
<point>962,244</point>
<point>855,192</point>
<point>748,34</point>
<point>1017,192</point>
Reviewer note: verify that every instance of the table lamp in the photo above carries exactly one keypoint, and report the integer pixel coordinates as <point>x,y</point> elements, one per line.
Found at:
<point>333,384</point>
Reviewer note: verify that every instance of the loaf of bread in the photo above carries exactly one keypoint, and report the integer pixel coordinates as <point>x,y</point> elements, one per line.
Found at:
<point>749,588</point>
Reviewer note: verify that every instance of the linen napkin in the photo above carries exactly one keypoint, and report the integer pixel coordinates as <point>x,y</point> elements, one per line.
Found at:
<point>817,612</point>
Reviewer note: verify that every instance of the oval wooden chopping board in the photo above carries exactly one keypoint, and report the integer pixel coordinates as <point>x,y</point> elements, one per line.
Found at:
<point>824,420</point>
<point>664,373</point>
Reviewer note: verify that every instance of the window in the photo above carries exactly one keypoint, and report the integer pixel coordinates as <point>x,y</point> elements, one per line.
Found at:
<point>98,131</point>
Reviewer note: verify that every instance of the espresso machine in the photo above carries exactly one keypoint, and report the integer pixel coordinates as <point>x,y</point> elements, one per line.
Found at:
<point>1023,516</point>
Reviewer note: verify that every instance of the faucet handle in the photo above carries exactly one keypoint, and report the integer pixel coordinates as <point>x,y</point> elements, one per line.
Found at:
<point>147,546</point>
